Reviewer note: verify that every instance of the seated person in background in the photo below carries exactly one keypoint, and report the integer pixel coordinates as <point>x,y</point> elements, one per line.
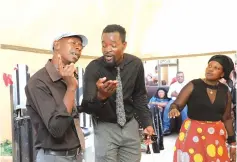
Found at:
<point>163,83</point>
<point>157,104</point>
<point>160,99</point>
<point>174,90</point>
<point>155,80</point>
<point>151,80</point>
<point>173,81</point>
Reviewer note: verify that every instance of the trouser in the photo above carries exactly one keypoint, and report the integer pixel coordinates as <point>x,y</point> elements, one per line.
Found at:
<point>117,144</point>
<point>43,157</point>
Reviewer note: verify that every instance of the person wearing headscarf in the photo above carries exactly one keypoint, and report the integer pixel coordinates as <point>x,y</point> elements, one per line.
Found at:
<point>157,104</point>
<point>160,99</point>
<point>203,136</point>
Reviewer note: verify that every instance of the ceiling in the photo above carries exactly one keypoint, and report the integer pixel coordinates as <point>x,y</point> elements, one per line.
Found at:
<point>154,27</point>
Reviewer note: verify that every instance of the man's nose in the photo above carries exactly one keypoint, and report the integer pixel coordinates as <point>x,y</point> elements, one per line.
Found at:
<point>108,49</point>
<point>210,69</point>
<point>78,46</point>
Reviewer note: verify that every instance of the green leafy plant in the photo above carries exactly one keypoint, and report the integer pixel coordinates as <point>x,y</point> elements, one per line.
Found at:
<point>6,148</point>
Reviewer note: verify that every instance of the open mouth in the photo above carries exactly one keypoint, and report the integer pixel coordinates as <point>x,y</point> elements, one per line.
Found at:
<point>75,54</point>
<point>209,74</point>
<point>108,58</point>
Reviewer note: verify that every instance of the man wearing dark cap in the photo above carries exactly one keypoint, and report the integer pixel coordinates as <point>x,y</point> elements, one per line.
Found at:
<point>50,96</point>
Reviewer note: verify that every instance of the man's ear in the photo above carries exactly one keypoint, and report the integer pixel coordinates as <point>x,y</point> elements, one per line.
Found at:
<point>222,75</point>
<point>56,45</point>
<point>124,45</point>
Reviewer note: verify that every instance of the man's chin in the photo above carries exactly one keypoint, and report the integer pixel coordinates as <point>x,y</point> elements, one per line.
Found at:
<point>110,63</point>
<point>74,60</point>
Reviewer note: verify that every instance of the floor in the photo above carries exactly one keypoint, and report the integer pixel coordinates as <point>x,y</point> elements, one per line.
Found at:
<point>164,156</point>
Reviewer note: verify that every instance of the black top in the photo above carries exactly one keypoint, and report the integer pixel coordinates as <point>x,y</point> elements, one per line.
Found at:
<point>207,103</point>
<point>53,125</point>
<point>200,106</point>
<point>134,91</point>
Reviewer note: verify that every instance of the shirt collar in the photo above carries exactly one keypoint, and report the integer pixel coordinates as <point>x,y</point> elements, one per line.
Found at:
<point>52,71</point>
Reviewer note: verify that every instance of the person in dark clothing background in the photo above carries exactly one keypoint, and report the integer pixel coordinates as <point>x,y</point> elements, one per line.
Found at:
<point>115,93</point>
<point>233,94</point>
<point>50,104</point>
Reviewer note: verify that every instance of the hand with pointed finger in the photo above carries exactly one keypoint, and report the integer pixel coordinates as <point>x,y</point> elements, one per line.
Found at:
<point>174,113</point>
<point>67,73</point>
<point>105,88</point>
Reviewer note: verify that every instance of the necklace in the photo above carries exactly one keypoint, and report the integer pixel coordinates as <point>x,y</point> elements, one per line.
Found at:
<point>210,90</point>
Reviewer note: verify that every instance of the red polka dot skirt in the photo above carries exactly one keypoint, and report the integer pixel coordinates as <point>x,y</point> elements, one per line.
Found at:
<point>201,141</point>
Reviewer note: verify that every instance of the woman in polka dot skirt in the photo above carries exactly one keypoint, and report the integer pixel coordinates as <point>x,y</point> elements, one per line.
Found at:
<point>204,135</point>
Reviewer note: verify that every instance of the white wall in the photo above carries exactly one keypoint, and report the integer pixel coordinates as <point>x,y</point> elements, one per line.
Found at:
<point>194,67</point>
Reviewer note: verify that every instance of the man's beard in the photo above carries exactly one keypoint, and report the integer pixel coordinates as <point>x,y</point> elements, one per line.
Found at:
<point>111,63</point>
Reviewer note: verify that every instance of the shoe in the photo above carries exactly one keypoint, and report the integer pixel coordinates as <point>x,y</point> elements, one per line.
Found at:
<point>166,132</point>
<point>161,143</point>
<point>162,147</point>
<point>148,151</point>
<point>156,147</point>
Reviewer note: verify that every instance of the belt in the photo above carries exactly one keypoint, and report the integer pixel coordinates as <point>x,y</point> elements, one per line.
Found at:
<point>113,121</point>
<point>72,152</point>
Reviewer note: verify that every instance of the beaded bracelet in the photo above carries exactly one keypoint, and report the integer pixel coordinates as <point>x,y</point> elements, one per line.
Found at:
<point>232,146</point>
<point>176,106</point>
